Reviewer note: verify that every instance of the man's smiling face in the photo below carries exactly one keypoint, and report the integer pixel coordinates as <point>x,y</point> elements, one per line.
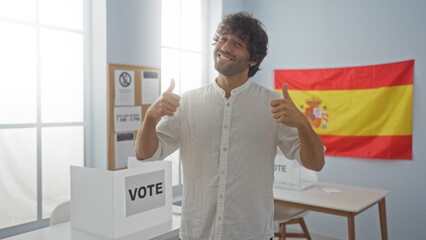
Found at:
<point>231,56</point>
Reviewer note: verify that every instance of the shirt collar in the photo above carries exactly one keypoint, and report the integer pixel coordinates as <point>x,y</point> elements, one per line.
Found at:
<point>234,91</point>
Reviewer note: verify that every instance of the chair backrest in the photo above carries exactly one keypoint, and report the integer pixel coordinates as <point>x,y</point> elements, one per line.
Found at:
<point>60,213</point>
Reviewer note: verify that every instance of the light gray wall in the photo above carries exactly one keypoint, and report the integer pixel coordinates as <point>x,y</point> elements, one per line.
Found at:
<point>215,15</point>
<point>97,146</point>
<point>233,6</point>
<point>326,33</point>
<point>134,32</point>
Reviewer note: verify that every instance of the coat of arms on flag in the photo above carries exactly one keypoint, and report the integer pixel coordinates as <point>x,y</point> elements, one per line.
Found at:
<point>316,115</point>
<point>357,111</point>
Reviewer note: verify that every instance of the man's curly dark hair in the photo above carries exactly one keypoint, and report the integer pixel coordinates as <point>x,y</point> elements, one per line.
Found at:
<point>248,29</point>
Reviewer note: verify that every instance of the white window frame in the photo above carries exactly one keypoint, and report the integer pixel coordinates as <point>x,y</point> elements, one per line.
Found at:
<point>44,222</point>
<point>205,46</point>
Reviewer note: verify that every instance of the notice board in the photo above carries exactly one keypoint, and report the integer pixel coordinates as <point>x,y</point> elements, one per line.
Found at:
<point>131,90</point>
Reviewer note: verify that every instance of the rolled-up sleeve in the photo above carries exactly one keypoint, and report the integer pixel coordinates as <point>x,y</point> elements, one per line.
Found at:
<point>289,143</point>
<point>168,133</point>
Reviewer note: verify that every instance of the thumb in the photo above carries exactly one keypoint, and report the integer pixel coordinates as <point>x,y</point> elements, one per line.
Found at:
<point>285,92</point>
<point>172,86</point>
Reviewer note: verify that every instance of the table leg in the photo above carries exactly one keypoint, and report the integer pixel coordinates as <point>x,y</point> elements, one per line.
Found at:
<point>351,227</point>
<point>382,214</point>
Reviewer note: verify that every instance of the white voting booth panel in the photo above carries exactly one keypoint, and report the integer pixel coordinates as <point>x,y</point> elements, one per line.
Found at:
<point>133,162</point>
<point>114,204</point>
<point>290,174</point>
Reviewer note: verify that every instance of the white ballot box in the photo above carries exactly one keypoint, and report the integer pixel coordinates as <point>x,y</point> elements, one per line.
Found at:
<point>118,203</point>
<point>291,175</point>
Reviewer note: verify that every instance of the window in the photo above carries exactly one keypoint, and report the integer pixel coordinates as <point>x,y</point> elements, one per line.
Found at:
<point>181,52</point>
<point>42,106</point>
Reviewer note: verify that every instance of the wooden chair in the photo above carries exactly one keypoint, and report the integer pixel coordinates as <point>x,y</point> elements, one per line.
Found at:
<point>287,215</point>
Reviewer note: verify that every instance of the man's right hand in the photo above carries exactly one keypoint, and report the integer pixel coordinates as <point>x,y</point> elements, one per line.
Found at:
<point>146,139</point>
<point>166,104</point>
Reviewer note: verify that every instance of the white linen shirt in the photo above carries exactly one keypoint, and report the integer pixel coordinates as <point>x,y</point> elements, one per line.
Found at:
<point>227,149</point>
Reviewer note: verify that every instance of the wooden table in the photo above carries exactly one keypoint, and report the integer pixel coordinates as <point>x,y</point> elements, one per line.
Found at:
<point>348,203</point>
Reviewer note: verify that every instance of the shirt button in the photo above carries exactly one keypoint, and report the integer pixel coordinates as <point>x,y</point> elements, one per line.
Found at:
<point>228,104</point>
<point>221,196</point>
<point>226,126</point>
<point>219,219</point>
<point>225,149</point>
<point>222,172</point>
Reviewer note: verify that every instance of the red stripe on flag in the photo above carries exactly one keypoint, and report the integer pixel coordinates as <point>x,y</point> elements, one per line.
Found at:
<point>385,147</point>
<point>348,78</point>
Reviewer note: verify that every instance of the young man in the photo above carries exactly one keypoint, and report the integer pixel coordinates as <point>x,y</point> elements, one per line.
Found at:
<point>228,134</point>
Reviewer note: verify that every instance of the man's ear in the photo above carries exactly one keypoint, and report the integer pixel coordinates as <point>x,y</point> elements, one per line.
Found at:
<point>253,61</point>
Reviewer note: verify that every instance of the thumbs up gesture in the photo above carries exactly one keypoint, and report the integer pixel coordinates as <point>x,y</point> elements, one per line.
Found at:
<point>166,104</point>
<point>285,111</point>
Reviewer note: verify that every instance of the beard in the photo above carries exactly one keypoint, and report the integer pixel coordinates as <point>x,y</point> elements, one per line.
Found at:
<point>230,68</point>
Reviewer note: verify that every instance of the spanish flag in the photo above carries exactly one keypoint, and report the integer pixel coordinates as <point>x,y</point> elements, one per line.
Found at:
<point>363,112</point>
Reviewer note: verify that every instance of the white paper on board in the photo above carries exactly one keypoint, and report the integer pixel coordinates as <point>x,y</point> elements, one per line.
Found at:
<point>332,190</point>
<point>124,148</point>
<point>127,119</point>
<point>150,86</point>
<point>124,85</point>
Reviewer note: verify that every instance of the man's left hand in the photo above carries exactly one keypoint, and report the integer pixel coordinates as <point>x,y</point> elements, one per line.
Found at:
<point>285,111</point>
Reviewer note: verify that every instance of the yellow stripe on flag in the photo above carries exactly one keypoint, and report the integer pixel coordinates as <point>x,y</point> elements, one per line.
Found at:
<point>368,112</point>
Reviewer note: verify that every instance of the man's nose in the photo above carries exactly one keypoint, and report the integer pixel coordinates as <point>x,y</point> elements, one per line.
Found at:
<point>226,47</point>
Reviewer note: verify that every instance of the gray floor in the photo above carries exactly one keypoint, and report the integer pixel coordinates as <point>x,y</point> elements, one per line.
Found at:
<point>314,236</point>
